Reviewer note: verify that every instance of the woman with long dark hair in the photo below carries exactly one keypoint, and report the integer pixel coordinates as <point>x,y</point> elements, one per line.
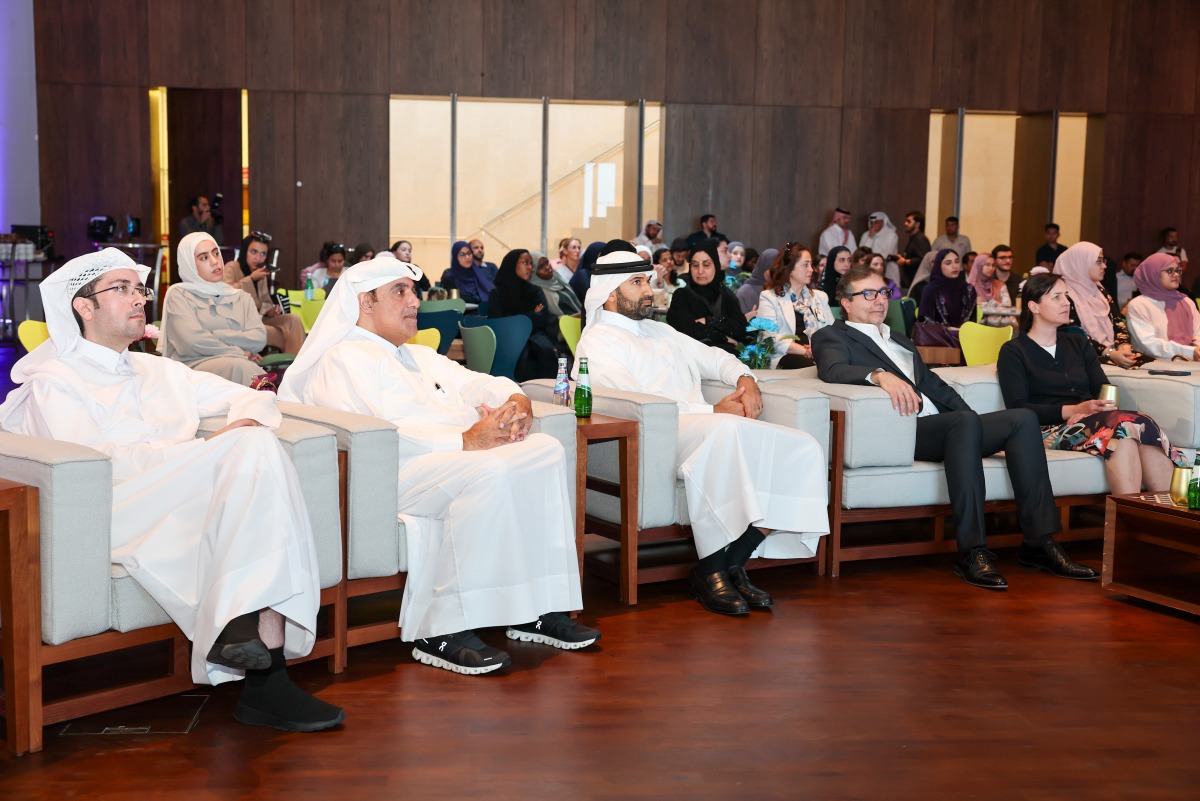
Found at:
<point>285,332</point>
<point>1057,374</point>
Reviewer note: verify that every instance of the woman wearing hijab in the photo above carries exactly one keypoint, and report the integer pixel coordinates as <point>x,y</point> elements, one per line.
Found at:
<point>581,279</point>
<point>921,276</point>
<point>947,302</point>
<point>473,285</point>
<point>991,295</point>
<point>748,292</point>
<point>837,262</point>
<point>513,295</point>
<point>1092,308</point>
<point>796,309</point>
<point>737,258</point>
<point>704,308</point>
<point>248,272</point>
<point>560,298</point>
<point>1057,375</point>
<point>207,324</point>
<point>1163,321</point>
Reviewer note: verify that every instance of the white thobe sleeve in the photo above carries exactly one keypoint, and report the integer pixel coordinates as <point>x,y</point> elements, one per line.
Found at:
<point>712,363</point>
<point>53,411</point>
<point>215,395</point>
<point>1143,318</point>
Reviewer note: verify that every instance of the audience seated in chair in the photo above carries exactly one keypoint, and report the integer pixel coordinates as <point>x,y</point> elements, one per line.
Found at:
<point>473,282</point>
<point>947,302</point>
<point>745,479</point>
<point>991,294</point>
<point>862,350</point>
<point>1092,308</point>
<point>207,324</point>
<point>249,272</point>
<point>1057,375</point>
<point>215,529</point>
<point>704,308</point>
<point>1163,321</point>
<point>797,310</point>
<point>560,298</point>
<point>505,555</point>
<point>514,294</point>
<point>325,271</point>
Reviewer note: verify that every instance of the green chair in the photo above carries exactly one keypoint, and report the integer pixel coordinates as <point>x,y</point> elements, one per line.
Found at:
<point>895,316</point>
<point>277,360</point>
<point>571,329</point>
<point>450,304</point>
<point>838,312</point>
<point>479,344</point>
<point>512,334</point>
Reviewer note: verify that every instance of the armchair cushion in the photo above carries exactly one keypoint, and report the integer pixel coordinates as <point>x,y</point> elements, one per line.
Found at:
<point>876,434</point>
<point>977,385</point>
<point>1173,401</point>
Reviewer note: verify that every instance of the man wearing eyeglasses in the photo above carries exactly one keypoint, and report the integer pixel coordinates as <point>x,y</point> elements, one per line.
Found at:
<point>862,349</point>
<point>213,529</point>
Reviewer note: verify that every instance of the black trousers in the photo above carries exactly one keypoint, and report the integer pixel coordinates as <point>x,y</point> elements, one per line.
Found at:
<point>961,440</point>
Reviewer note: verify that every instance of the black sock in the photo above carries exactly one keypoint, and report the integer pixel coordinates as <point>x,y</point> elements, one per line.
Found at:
<point>242,628</point>
<point>713,563</point>
<point>738,552</point>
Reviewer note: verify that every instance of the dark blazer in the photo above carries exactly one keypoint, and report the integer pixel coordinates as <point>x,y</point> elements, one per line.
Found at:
<point>847,356</point>
<point>1030,378</point>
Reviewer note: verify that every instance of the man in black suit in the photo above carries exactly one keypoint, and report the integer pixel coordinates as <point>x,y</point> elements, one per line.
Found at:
<point>862,350</point>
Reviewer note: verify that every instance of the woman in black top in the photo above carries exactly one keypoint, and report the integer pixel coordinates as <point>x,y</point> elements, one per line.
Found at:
<point>1058,375</point>
<point>513,295</point>
<point>704,308</point>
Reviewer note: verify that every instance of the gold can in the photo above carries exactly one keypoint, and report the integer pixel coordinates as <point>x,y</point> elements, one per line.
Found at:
<point>1109,392</point>
<point>454,294</point>
<point>1179,485</point>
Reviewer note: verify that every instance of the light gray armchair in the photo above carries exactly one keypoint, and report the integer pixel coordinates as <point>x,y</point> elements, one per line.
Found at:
<point>373,538</point>
<point>665,552</point>
<point>62,599</point>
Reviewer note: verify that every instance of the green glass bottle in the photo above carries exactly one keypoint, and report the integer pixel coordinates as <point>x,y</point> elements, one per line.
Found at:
<point>583,391</point>
<point>1194,485</point>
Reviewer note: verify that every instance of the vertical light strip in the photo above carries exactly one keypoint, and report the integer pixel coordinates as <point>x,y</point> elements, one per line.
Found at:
<point>453,167</point>
<point>545,171</point>
<point>159,173</point>
<point>245,163</point>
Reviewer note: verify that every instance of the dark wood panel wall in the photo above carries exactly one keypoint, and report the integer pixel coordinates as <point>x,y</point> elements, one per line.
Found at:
<point>778,110</point>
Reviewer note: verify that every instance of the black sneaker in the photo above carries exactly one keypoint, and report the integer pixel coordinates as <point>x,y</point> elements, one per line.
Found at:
<point>462,653</point>
<point>557,629</point>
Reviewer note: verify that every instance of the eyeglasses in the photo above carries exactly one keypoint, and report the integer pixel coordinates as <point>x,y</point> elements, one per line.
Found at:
<point>1172,271</point>
<point>869,294</point>
<point>125,290</point>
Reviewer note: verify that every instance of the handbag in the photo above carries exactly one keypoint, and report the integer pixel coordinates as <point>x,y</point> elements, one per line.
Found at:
<point>933,335</point>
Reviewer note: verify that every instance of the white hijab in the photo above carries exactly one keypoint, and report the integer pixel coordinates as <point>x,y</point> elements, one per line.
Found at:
<point>185,257</point>
<point>339,316</point>
<point>605,284</point>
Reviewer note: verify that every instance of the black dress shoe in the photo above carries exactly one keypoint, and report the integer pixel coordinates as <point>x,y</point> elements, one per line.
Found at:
<point>753,596</point>
<point>1053,559</point>
<point>977,568</point>
<point>716,593</point>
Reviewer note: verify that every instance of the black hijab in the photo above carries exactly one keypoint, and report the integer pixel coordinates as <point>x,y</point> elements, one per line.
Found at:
<point>830,278</point>
<point>710,293</point>
<point>515,295</point>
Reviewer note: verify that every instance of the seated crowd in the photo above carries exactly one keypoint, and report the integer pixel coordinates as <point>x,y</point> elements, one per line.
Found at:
<point>492,541</point>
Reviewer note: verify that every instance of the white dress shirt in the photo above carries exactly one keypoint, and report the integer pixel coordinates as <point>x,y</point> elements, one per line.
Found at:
<point>901,356</point>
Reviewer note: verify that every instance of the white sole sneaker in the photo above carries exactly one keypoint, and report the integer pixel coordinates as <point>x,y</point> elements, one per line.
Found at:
<point>545,639</point>
<point>444,664</point>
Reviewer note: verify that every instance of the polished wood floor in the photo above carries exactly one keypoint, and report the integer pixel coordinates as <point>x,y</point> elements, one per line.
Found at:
<point>896,681</point>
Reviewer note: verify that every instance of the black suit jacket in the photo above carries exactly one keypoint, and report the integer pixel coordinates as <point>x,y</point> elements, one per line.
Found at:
<point>847,356</point>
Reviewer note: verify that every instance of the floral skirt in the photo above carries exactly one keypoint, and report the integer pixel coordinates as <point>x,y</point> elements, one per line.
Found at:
<point>1097,434</point>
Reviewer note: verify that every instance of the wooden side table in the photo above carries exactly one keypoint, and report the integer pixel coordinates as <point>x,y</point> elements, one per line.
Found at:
<point>602,428</point>
<point>1152,550</point>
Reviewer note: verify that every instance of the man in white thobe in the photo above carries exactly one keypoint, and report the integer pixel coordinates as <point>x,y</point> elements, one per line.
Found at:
<point>485,504</point>
<point>838,234</point>
<point>744,478</point>
<point>881,238</point>
<point>213,529</point>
